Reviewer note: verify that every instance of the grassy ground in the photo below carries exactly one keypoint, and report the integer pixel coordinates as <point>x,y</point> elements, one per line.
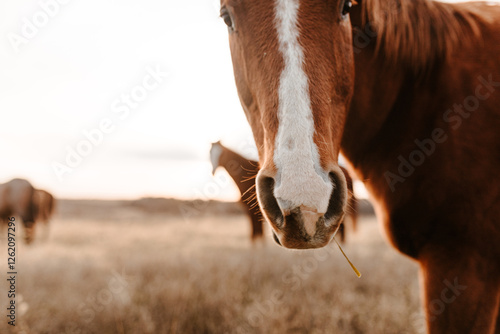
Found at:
<point>132,271</point>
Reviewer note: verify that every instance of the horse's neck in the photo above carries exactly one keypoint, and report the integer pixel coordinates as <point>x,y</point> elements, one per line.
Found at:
<point>239,168</point>
<point>380,107</point>
<point>392,107</point>
<point>376,92</point>
<point>382,115</point>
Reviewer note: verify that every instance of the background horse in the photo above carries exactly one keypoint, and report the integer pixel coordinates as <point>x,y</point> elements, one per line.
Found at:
<point>244,171</point>
<point>408,90</point>
<point>16,199</point>
<point>352,208</point>
<point>44,203</point>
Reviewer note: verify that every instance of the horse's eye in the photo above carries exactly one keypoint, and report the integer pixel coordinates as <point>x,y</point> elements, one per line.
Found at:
<point>224,14</point>
<point>346,8</point>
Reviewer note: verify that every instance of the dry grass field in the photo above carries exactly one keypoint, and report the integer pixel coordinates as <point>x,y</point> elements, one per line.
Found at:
<point>130,267</point>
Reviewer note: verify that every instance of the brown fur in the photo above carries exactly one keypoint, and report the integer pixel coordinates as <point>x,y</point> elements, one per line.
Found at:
<point>418,34</point>
<point>444,214</point>
<point>243,172</point>
<point>421,59</point>
<point>45,203</point>
<point>16,199</point>
<point>352,208</point>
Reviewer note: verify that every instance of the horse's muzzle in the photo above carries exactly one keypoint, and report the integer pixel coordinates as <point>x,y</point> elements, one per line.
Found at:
<point>303,227</point>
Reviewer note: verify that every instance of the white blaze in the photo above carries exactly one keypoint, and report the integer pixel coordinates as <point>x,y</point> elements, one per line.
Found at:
<point>215,153</point>
<point>300,180</point>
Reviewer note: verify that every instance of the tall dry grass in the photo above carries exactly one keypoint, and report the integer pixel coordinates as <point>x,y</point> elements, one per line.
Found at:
<point>132,271</point>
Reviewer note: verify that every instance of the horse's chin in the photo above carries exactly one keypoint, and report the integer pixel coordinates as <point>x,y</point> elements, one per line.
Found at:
<point>299,245</point>
<point>297,239</point>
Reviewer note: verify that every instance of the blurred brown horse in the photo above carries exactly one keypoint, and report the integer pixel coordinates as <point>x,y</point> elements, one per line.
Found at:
<point>408,90</point>
<point>16,199</point>
<point>244,171</point>
<point>44,203</point>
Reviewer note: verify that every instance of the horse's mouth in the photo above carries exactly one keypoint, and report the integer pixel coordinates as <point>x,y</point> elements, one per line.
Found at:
<point>301,228</point>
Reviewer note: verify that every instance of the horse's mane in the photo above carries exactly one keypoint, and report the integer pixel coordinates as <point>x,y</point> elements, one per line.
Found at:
<point>419,33</point>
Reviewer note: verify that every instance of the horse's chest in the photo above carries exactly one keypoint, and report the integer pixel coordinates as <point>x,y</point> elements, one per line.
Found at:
<point>407,230</point>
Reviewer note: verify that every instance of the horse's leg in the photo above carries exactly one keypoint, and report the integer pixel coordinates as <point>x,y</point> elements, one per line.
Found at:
<point>461,291</point>
<point>252,226</point>
<point>29,229</point>
<point>257,231</point>
<point>258,226</point>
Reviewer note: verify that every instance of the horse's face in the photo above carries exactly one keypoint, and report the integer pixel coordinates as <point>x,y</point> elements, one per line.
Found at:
<point>293,65</point>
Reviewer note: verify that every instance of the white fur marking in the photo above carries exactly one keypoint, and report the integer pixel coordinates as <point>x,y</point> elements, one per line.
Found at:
<point>215,153</point>
<point>300,180</point>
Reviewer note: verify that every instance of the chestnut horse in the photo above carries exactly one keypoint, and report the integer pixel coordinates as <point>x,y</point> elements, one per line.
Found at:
<point>243,171</point>
<point>408,91</point>
<point>16,199</point>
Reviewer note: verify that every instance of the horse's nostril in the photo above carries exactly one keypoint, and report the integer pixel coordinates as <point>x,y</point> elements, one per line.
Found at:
<point>267,201</point>
<point>275,237</point>
<point>338,197</point>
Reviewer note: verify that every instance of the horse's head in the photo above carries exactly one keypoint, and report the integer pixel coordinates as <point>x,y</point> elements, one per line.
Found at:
<point>293,65</point>
<point>215,152</point>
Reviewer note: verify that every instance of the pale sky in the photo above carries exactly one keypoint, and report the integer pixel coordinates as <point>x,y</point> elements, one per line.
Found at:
<point>69,67</point>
